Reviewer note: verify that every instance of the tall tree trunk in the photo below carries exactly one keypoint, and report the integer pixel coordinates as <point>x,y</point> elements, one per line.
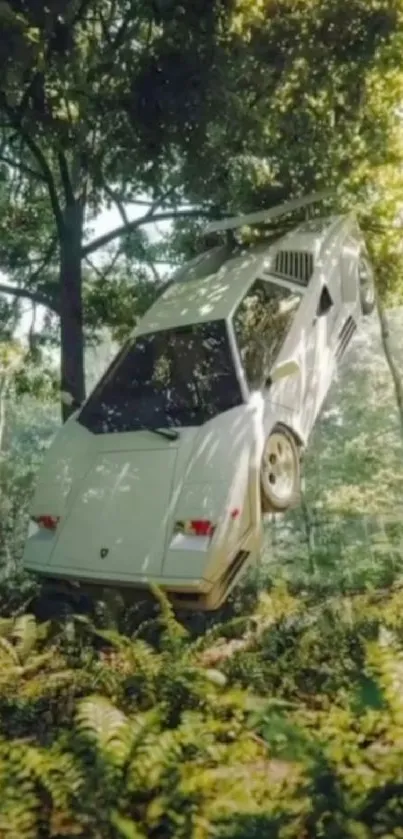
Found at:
<point>3,410</point>
<point>309,532</point>
<point>390,360</point>
<point>71,309</point>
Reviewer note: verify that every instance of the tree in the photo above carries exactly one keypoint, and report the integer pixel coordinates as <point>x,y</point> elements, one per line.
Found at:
<point>67,136</point>
<point>27,422</point>
<point>198,105</point>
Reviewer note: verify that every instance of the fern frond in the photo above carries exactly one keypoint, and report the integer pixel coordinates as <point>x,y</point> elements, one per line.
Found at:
<point>221,633</point>
<point>8,652</point>
<point>154,754</point>
<point>100,721</point>
<point>18,816</point>
<point>125,827</point>
<point>38,662</point>
<point>56,772</point>
<point>19,804</point>
<point>144,658</point>
<point>24,634</point>
<point>46,685</point>
<point>112,637</point>
<point>10,677</point>
<point>6,625</point>
<point>385,661</point>
<point>173,630</point>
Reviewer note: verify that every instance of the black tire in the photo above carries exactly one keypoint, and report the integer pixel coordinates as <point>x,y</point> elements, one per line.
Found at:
<point>280,455</point>
<point>52,604</point>
<point>366,286</point>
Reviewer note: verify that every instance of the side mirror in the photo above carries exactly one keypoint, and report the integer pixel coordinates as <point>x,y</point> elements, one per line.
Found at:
<point>283,370</point>
<point>69,400</point>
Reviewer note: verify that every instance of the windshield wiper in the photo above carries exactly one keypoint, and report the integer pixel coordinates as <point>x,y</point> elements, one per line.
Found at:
<point>168,433</point>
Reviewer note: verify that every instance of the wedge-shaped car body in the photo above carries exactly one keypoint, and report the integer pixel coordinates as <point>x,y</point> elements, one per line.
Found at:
<point>197,428</point>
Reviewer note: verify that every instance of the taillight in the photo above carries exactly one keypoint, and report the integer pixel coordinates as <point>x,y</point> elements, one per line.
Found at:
<point>195,527</point>
<point>46,522</point>
<point>201,527</point>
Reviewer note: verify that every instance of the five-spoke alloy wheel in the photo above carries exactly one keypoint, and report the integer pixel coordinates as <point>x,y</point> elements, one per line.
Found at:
<point>280,473</point>
<point>367,286</point>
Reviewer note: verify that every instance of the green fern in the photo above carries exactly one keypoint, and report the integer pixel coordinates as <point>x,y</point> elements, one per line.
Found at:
<point>125,827</point>
<point>24,635</point>
<point>173,630</point>
<point>131,741</point>
<point>6,626</point>
<point>106,727</point>
<point>8,652</point>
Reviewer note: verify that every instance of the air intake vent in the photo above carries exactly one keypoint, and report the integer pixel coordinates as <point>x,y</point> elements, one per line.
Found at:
<point>294,265</point>
<point>345,336</point>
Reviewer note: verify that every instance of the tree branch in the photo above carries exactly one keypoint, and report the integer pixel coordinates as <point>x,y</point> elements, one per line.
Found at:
<point>94,268</point>
<point>156,274</point>
<point>381,228</point>
<point>138,202</point>
<point>45,261</point>
<point>119,203</point>
<point>48,177</point>
<point>28,294</point>
<point>36,296</point>
<point>149,218</point>
<point>103,275</point>
<point>22,167</point>
<point>84,5</point>
<point>37,153</point>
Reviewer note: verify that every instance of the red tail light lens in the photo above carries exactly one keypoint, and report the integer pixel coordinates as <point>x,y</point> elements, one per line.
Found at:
<point>195,527</point>
<point>46,522</point>
<point>202,527</point>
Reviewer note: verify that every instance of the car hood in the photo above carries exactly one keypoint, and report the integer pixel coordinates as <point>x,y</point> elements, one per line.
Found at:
<point>120,512</point>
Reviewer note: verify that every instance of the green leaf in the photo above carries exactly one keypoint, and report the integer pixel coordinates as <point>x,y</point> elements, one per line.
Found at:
<point>125,827</point>
<point>368,695</point>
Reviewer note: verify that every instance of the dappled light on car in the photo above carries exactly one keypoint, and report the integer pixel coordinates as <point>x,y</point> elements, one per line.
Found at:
<point>195,433</point>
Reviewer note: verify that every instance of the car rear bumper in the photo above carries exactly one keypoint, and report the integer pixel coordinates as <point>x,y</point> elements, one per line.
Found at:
<point>195,595</point>
<point>198,594</point>
<point>35,563</point>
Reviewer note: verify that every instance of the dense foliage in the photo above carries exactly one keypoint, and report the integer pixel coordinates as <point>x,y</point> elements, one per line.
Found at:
<point>286,722</point>
<point>348,531</point>
<point>286,718</point>
<point>192,108</point>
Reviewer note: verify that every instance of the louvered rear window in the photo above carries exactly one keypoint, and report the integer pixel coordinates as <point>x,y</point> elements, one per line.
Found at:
<point>297,266</point>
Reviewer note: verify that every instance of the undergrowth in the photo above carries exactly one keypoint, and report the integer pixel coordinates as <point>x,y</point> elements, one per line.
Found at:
<point>285,721</point>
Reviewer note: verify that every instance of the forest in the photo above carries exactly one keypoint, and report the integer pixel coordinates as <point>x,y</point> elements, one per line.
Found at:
<point>125,126</point>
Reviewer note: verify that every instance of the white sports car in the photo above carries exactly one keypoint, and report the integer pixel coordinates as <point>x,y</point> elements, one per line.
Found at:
<point>197,428</point>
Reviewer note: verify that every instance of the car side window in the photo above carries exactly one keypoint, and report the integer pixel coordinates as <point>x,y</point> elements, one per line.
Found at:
<point>325,302</point>
<point>261,324</point>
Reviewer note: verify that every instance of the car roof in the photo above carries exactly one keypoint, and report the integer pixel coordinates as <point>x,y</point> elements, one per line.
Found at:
<point>210,298</point>
<point>216,296</point>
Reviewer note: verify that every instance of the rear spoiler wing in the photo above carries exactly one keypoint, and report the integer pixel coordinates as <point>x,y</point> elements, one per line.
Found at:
<point>266,215</point>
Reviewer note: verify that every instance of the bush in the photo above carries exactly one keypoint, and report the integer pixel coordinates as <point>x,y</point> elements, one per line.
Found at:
<point>287,722</point>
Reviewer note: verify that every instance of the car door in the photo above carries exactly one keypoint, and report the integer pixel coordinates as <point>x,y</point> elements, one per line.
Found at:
<point>263,326</point>
<point>325,333</point>
<point>318,323</point>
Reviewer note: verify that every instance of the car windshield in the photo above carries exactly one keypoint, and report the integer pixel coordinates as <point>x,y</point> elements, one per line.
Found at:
<point>172,378</point>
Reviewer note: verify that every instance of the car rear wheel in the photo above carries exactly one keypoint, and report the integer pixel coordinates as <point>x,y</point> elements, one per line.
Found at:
<point>367,286</point>
<point>280,474</point>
